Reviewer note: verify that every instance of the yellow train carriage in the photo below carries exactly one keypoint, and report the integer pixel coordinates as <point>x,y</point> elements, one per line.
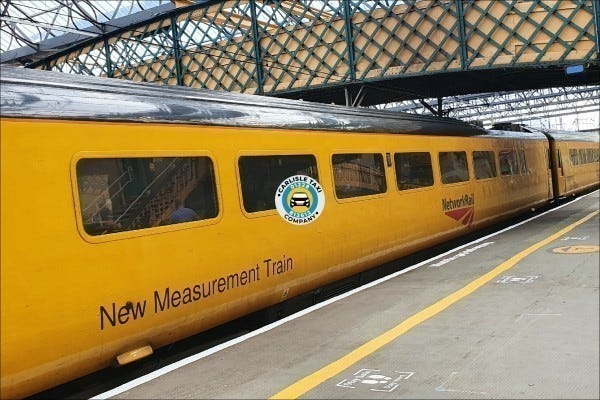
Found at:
<point>577,162</point>
<point>121,235</point>
<point>73,301</point>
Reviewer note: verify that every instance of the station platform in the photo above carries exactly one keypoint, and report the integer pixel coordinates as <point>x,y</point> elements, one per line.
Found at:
<point>511,315</point>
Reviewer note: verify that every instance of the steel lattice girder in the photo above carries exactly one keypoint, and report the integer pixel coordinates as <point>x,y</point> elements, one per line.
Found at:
<point>294,48</point>
<point>33,29</point>
<point>511,106</point>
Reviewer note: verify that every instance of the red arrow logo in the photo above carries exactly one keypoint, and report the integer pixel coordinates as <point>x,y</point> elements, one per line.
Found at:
<point>464,215</point>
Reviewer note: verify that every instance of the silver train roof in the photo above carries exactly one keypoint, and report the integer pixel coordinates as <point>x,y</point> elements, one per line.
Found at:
<point>28,93</point>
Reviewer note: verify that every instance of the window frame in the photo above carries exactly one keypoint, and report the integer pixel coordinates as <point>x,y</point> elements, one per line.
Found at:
<point>516,159</point>
<point>574,157</point>
<point>109,237</point>
<point>262,153</point>
<point>395,175</point>
<point>360,151</point>
<point>494,158</point>
<point>523,165</point>
<point>469,167</point>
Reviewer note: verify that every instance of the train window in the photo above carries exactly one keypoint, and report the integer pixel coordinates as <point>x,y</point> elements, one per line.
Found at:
<point>358,175</point>
<point>124,194</point>
<point>560,162</point>
<point>523,162</point>
<point>413,170</point>
<point>453,166</point>
<point>574,157</point>
<point>582,157</point>
<point>485,164</point>
<point>589,155</point>
<point>508,162</point>
<point>260,176</point>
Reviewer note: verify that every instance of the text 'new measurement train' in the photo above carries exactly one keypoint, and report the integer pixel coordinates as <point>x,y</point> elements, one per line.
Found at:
<point>135,215</point>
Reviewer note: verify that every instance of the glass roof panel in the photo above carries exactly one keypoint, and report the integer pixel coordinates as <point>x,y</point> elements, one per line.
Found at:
<point>30,22</point>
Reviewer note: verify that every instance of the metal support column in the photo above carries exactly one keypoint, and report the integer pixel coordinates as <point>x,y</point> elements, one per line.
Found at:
<point>460,15</point>
<point>349,41</point>
<point>177,52</point>
<point>109,70</point>
<point>257,52</point>
<point>596,10</point>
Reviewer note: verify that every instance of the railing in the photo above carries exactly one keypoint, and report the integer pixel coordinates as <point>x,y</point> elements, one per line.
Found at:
<point>106,193</point>
<point>138,205</point>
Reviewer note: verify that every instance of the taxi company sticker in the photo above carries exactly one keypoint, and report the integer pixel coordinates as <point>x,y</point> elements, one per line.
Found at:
<point>300,200</point>
<point>577,249</point>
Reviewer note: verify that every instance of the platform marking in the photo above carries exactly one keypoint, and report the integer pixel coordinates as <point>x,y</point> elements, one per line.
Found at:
<point>575,238</point>
<point>441,388</point>
<point>463,253</point>
<point>537,315</point>
<point>195,357</point>
<point>373,378</point>
<point>517,279</point>
<point>578,249</point>
<point>329,371</point>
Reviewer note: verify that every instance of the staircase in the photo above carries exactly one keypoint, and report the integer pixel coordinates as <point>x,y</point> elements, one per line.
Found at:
<point>153,208</point>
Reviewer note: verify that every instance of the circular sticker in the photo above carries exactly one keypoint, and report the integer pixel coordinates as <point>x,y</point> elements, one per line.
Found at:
<point>300,199</point>
<point>579,249</point>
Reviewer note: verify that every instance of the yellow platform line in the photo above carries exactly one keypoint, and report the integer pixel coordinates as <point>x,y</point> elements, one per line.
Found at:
<point>309,382</point>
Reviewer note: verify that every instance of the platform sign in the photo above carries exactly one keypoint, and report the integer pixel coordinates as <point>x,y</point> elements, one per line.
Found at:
<point>577,249</point>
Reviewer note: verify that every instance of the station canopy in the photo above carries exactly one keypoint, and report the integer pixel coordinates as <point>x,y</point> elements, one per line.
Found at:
<point>33,29</point>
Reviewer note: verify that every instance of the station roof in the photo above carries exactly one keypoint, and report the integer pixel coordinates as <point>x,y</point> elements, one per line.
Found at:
<point>33,29</point>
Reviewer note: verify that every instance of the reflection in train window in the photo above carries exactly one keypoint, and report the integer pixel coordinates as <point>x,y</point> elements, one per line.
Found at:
<point>358,175</point>
<point>523,162</point>
<point>484,164</point>
<point>413,170</point>
<point>574,157</point>
<point>260,176</point>
<point>124,194</point>
<point>582,156</point>
<point>453,166</point>
<point>508,162</point>
<point>590,155</point>
<point>560,161</point>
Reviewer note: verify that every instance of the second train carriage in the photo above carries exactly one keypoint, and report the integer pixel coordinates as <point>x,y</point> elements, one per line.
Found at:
<point>576,162</point>
<point>95,267</point>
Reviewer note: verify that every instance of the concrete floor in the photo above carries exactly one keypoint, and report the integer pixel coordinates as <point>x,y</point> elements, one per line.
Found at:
<point>531,331</point>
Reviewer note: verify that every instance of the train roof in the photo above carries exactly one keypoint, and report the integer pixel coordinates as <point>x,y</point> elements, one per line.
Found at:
<point>567,136</point>
<point>557,135</point>
<point>31,93</point>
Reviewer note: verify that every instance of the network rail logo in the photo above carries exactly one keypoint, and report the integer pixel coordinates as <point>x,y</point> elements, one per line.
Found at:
<point>461,209</point>
<point>300,200</point>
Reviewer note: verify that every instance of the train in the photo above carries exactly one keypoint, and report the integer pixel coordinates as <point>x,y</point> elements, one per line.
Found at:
<point>134,215</point>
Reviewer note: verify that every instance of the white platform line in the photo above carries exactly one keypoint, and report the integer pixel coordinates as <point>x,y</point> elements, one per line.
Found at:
<point>172,367</point>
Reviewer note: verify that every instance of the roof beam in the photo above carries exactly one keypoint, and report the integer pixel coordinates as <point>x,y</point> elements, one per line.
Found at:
<point>25,55</point>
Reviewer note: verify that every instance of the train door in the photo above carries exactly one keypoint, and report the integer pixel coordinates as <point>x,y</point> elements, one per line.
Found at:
<point>560,186</point>
<point>549,173</point>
